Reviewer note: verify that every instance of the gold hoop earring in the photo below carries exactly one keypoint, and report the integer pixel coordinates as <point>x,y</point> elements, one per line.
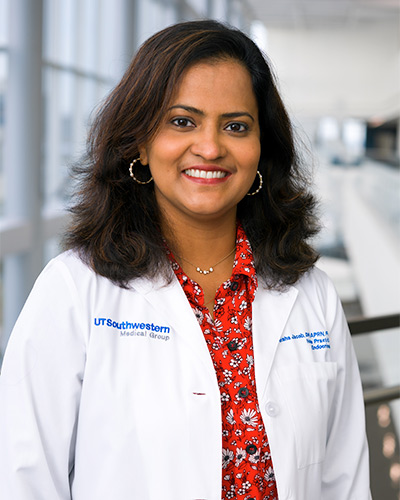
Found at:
<point>260,185</point>
<point>133,175</point>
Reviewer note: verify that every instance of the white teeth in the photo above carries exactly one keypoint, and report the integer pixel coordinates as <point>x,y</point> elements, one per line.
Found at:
<point>205,174</point>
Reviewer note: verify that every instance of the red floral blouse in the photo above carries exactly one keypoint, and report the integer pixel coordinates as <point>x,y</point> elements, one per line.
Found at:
<point>247,471</point>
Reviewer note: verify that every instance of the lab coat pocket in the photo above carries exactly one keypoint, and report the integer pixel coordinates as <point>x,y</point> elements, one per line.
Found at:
<point>308,390</point>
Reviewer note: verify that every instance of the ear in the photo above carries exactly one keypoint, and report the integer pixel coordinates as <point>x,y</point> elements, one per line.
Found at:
<point>143,155</point>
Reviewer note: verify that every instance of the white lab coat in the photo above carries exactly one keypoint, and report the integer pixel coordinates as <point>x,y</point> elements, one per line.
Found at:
<point>111,394</point>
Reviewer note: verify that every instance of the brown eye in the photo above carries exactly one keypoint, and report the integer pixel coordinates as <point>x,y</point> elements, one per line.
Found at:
<point>237,127</point>
<point>182,122</point>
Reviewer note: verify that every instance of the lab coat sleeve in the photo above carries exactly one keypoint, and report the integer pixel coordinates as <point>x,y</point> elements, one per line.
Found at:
<point>346,468</point>
<point>40,388</point>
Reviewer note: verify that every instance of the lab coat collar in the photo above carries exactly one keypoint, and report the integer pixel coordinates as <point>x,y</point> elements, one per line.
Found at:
<point>170,300</point>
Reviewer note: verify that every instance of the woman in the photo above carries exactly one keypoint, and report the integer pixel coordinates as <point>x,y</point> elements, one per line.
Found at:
<point>185,347</point>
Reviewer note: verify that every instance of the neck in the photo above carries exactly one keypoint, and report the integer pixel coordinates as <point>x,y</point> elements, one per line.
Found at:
<point>203,243</point>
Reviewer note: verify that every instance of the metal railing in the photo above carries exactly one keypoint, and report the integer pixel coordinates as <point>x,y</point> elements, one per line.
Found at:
<point>370,325</point>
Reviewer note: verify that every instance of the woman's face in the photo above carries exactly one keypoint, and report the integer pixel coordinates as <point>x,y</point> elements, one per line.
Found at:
<point>205,155</point>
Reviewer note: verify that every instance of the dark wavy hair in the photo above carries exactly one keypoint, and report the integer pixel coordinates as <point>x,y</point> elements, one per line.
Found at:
<point>116,222</point>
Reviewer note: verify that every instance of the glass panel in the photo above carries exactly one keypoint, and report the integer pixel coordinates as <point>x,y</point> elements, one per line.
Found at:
<point>111,50</point>
<point>88,35</point>
<point>91,94</point>
<point>4,5</point>
<point>84,38</point>
<point>52,248</point>
<point>3,83</point>
<point>153,16</point>
<point>218,9</point>
<point>67,22</point>
<point>49,30</point>
<point>199,7</point>
<point>59,137</point>
<point>60,34</point>
<point>70,103</point>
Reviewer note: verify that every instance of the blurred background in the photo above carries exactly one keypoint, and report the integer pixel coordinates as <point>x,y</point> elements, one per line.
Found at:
<point>337,64</point>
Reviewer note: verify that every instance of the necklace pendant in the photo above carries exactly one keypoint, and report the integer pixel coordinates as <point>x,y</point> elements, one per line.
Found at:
<point>204,271</point>
<point>210,269</point>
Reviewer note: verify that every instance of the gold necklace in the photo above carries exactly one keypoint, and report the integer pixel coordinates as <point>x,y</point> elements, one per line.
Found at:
<point>210,269</point>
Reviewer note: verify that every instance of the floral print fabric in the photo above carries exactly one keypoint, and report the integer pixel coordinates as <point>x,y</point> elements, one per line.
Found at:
<point>247,471</point>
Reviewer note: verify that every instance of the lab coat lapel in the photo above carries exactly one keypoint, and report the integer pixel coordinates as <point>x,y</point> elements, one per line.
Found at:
<point>271,311</point>
<point>170,301</point>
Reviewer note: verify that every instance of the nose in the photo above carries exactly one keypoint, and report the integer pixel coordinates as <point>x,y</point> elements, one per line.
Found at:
<point>208,143</point>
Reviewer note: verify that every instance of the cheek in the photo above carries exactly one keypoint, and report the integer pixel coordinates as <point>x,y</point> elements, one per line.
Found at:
<point>165,149</point>
<point>251,156</point>
<point>256,156</point>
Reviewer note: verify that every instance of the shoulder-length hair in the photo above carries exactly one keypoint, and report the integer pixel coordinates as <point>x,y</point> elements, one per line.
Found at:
<point>116,222</point>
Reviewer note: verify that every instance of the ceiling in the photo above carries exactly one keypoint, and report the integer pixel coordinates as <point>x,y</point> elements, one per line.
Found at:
<point>314,14</point>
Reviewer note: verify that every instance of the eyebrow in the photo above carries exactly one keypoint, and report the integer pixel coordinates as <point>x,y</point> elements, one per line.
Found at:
<point>191,109</point>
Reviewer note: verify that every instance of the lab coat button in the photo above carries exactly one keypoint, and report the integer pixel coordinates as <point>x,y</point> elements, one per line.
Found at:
<point>272,409</point>
<point>232,345</point>
<point>243,392</point>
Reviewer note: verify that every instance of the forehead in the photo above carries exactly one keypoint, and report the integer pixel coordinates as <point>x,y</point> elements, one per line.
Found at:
<point>217,83</point>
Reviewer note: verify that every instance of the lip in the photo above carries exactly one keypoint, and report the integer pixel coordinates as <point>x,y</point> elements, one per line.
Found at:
<point>207,168</point>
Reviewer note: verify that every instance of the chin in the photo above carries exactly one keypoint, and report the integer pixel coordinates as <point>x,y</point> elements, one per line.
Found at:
<point>212,212</point>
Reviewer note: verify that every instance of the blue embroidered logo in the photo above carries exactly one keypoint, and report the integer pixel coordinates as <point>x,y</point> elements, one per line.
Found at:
<point>135,329</point>
<point>317,340</point>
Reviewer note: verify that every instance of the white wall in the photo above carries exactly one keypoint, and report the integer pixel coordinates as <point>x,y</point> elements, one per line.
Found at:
<point>351,71</point>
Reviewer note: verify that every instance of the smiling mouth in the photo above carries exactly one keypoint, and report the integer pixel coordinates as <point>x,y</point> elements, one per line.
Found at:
<point>205,174</point>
